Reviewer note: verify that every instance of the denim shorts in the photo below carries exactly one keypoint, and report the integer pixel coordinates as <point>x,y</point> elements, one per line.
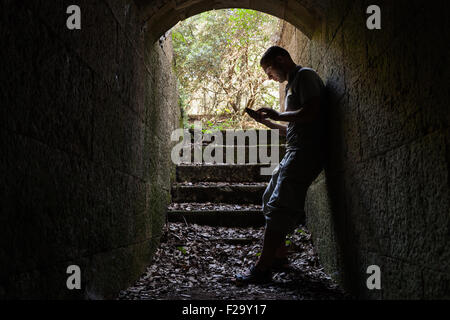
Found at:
<point>284,198</point>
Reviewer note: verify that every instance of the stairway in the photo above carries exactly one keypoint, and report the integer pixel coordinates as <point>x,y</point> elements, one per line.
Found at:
<point>228,195</point>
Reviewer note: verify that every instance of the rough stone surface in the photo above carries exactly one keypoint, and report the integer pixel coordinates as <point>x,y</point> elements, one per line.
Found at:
<point>85,137</point>
<point>228,218</point>
<point>225,173</point>
<point>239,193</point>
<point>383,197</point>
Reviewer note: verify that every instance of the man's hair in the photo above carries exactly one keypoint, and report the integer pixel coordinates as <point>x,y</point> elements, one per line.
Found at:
<point>269,57</point>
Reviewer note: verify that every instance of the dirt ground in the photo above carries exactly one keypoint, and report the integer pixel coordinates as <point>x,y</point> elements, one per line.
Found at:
<point>199,263</point>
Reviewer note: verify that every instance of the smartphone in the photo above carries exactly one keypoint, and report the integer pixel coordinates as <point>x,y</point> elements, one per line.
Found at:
<point>251,113</point>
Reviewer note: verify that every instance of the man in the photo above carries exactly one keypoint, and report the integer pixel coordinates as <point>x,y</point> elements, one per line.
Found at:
<point>284,197</point>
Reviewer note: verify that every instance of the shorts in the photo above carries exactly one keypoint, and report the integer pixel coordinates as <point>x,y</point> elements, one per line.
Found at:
<point>284,197</point>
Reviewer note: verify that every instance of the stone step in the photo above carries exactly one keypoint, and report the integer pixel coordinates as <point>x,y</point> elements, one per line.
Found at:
<point>218,192</point>
<point>217,218</point>
<point>220,214</point>
<point>221,173</point>
<point>208,206</point>
<point>237,154</point>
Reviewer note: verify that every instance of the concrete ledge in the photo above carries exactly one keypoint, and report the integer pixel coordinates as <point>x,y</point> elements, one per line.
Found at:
<point>219,192</point>
<point>232,219</point>
<point>225,173</point>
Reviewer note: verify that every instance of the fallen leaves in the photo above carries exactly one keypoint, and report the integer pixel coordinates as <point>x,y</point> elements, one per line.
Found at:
<point>199,262</point>
<point>209,206</point>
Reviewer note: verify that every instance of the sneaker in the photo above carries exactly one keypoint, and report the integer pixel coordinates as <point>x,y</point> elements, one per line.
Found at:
<point>254,276</point>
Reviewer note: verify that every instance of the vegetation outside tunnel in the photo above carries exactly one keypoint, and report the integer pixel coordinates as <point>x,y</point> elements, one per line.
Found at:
<point>216,60</point>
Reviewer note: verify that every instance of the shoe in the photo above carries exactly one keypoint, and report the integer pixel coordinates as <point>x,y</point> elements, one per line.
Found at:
<point>280,264</point>
<point>254,276</point>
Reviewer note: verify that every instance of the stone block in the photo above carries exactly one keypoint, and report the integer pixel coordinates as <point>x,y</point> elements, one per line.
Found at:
<point>118,134</point>
<point>418,202</point>
<point>319,221</point>
<point>400,280</point>
<point>436,284</point>
<point>125,265</point>
<point>224,173</point>
<point>45,201</point>
<point>75,149</point>
<point>238,193</point>
<point>127,15</point>
<point>354,42</point>
<point>62,116</point>
<point>17,89</point>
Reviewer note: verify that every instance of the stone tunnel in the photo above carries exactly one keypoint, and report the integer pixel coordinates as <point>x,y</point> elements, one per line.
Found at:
<point>87,116</point>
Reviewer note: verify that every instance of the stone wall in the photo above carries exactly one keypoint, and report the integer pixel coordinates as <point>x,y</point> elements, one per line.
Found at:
<point>86,118</point>
<point>383,197</point>
<point>85,138</point>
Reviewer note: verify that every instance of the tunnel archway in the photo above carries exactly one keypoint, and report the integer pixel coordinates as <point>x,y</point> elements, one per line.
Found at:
<point>307,17</point>
<point>300,13</point>
<point>377,134</point>
<point>88,115</point>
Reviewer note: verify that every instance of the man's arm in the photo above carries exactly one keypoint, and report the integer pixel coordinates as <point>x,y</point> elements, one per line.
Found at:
<point>306,114</point>
<point>272,125</point>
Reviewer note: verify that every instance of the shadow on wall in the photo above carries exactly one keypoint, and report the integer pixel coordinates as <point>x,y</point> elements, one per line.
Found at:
<point>346,260</point>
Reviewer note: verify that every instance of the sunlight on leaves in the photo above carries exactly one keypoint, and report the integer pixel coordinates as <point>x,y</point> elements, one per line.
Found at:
<point>216,60</point>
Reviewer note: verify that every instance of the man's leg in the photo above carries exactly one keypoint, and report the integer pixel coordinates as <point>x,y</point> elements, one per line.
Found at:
<point>274,242</point>
<point>271,242</point>
<point>283,211</point>
<point>262,272</point>
<point>271,238</point>
<point>282,251</point>
<point>273,245</point>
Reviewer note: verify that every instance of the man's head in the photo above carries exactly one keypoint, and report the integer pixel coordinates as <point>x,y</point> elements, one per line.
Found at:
<point>277,63</point>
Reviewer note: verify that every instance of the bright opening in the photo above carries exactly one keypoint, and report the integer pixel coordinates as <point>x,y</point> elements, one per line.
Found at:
<point>216,60</point>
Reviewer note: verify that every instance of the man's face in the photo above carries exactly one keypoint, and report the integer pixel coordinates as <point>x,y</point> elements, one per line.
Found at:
<point>274,73</point>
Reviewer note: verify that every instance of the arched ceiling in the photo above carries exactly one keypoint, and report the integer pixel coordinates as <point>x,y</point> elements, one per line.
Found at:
<point>162,15</point>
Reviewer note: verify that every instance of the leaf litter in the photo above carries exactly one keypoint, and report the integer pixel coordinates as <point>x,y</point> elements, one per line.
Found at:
<point>195,262</point>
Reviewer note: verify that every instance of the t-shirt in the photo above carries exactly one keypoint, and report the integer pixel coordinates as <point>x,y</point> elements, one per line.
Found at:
<point>304,84</point>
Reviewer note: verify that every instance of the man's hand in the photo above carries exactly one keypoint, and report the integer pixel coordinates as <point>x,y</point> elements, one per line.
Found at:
<point>256,115</point>
<point>267,113</point>
<point>261,117</point>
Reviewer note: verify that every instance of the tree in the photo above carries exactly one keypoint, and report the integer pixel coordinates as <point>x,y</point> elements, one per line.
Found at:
<point>217,57</point>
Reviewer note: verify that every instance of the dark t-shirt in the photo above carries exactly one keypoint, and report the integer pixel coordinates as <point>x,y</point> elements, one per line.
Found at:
<point>304,84</point>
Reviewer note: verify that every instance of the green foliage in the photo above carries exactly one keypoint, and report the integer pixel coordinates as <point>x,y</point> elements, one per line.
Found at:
<point>182,249</point>
<point>217,57</point>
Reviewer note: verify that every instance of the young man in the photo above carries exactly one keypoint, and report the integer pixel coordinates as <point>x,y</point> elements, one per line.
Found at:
<point>284,197</point>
